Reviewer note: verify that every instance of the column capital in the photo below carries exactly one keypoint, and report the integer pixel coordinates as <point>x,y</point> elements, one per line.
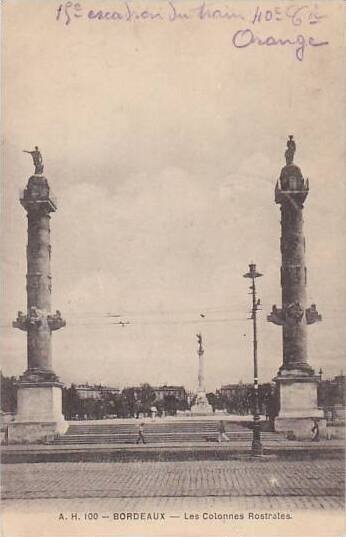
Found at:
<point>38,196</point>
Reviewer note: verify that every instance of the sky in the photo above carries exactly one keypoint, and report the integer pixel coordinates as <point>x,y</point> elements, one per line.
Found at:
<point>163,143</point>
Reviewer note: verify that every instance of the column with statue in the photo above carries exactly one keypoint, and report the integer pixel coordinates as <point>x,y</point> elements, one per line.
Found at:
<point>39,395</point>
<point>201,406</point>
<point>296,380</point>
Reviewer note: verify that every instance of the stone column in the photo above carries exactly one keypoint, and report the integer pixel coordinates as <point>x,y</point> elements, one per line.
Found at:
<point>296,381</point>
<point>39,405</point>
<point>201,407</point>
<point>201,382</point>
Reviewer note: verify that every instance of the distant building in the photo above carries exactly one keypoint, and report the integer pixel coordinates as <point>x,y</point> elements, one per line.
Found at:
<point>331,392</point>
<point>228,391</point>
<point>163,392</point>
<point>108,391</point>
<point>141,399</point>
<point>238,398</point>
<point>95,392</point>
<point>340,381</point>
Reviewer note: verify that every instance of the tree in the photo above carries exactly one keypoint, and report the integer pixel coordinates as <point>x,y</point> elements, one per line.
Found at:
<point>8,394</point>
<point>212,399</point>
<point>124,408</point>
<point>147,397</point>
<point>129,398</point>
<point>71,403</point>
<point>170,404</point>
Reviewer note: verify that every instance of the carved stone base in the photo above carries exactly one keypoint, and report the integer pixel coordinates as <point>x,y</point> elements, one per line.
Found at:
<point>300,428</point>
<point>39,377</point>
<point>297,369</point>
<point>35,432</point>
<point>298,406</point>
<point>39,414</point>
<point>201,407</point>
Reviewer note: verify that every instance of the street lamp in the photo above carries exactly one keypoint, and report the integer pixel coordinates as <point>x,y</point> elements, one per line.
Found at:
<point>257,448</point>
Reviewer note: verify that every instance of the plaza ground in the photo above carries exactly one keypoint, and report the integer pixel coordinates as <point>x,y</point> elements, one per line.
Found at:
<point>86,487</point>
<point>65,493</point>
<point>168,439</point>
<point>277,480</point>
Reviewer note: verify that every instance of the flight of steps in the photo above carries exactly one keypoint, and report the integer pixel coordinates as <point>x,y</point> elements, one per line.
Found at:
<point>158,432</point>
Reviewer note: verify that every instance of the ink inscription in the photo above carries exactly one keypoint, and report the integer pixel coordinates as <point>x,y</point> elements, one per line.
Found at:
<point>262,27</point>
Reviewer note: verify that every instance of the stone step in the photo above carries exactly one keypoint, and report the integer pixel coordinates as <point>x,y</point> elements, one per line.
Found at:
<point>153,427</point>
<point>159,438</point>
<point>163,432</point>
<point>147,430</point>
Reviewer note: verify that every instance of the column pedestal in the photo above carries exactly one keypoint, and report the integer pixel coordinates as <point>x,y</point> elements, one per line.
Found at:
<point>298,405</point>
<point>39,417</point>
<point>201,407</point>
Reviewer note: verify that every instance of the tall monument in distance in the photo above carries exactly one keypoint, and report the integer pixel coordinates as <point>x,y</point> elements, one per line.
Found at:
<point>296,380</point>
<point>201,406</point>
<point>39,396</point>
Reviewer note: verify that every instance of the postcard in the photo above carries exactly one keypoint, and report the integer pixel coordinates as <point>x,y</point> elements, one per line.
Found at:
<point>173,267</point>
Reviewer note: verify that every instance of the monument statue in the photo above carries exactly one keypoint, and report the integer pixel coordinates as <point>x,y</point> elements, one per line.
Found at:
<point>39,390</point>
<point>37,160</point>
<point>201,406</point>
<point>291,149</point>
<point>200,353</point>
<point>199,340</point>
<point>296,380</point>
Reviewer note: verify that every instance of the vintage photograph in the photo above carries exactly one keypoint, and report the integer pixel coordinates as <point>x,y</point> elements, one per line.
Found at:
<point>173,268</point>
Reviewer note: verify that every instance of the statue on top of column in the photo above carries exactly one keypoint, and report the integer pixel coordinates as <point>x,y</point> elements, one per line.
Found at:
<point>291,149</point>
<point>37,160</point>
<point>199,340</point>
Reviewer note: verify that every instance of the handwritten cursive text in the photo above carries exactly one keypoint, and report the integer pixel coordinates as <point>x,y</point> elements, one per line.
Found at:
<point>245,38</point>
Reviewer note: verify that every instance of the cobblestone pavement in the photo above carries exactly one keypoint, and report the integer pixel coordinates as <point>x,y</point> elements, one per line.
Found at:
<point>316,484</point>
<point>176,504</point>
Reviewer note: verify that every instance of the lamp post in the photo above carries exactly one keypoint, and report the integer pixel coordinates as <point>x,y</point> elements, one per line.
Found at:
<point>256,439</point>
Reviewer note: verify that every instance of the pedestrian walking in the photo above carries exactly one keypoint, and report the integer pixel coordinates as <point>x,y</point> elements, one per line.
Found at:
<point>140,437</point>
<point>315,431</point>
<point>222,432</point>
<point>330,426</point>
